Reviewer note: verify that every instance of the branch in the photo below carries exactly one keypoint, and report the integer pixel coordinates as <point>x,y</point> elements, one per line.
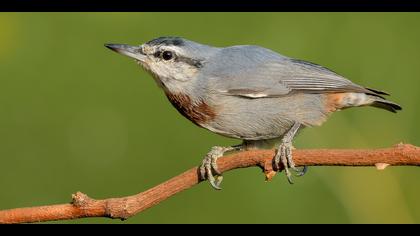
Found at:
<point>83,206</point>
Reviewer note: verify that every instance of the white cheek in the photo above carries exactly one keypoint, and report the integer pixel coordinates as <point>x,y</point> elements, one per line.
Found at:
<point>171,72</point>
<point>160,70</point>
<point>185,72</point>
<point>190,71</point>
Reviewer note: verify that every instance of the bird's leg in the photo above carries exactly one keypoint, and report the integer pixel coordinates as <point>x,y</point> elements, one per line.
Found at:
<point>284,154</point>
<point>209,164</point>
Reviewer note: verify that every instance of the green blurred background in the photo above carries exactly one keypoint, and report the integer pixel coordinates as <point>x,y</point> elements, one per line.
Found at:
<point>77,117</point>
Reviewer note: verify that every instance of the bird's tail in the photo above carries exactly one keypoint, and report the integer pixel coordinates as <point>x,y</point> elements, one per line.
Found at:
<point>385,104</point>
<point>372,98</point>
<point>376,99</point>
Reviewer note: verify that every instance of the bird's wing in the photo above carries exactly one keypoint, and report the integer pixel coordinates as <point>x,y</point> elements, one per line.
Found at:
<point>258,73</point>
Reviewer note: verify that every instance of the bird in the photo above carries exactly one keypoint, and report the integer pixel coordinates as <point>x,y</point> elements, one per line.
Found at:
<point>248,92</point>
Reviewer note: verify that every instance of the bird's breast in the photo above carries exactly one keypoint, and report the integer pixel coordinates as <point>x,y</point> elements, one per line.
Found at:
<point>199,112</point>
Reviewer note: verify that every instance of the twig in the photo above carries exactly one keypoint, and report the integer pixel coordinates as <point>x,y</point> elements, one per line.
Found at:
<point>83,206</point>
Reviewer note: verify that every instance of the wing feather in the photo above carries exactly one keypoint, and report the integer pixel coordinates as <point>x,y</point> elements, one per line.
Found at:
<point>255,72</point>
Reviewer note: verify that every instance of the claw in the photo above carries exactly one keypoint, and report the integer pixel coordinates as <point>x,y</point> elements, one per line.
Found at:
<point>302,172</point>
<point>217,182</point>
<point>284,154</point>
<point>285,160</point>
<point>289,177</point>
<point>291,163</point>
<point>203,170</point>
<point>209,166</point>
<point>214,183</point>
<point>277,160</point>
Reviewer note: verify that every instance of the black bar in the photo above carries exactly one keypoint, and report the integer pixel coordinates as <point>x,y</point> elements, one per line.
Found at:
<point>207,5</point>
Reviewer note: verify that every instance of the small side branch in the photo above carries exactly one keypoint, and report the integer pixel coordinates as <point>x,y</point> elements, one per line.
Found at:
<point>83,206</point>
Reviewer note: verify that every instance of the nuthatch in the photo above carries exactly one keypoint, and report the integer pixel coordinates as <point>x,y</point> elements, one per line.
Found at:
<point>249,93</point>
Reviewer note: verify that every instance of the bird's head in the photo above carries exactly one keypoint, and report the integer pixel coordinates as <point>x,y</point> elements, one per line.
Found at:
<point>172,61</point>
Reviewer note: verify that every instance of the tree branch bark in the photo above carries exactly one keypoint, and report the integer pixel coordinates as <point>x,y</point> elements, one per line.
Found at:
<point>83,206</point>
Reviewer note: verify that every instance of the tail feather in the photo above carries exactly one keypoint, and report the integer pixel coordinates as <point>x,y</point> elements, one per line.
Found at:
<point>385,104</point>
<point>346,100</point>
<point>377,92</point>
<point>380,102</point>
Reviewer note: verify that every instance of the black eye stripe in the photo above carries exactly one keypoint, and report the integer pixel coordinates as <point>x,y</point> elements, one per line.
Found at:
<point>178,58</point>
<point>157,54</point>
<point>193,62</point>
<point>166,55</point>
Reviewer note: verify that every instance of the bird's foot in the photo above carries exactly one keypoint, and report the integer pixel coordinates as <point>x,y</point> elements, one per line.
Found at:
<point>209,165</point>
<point>284,156</point>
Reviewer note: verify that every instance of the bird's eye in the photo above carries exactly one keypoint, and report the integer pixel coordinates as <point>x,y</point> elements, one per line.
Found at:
<point>167,55</point>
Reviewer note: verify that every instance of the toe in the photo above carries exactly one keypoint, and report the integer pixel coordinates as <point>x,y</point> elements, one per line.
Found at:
<point>202,170</point>
<point>289,176</point>
<point>276,160</point>
<point>285,161</point>
<point>217,182</point>
<point>214,183</point>
<point>302,172</point>
<point>289,179</point>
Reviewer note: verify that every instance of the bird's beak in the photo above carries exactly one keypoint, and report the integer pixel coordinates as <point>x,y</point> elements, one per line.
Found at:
<point>127,50</point>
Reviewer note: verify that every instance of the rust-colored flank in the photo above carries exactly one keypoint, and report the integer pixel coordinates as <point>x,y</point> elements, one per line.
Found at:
<point>335,101</point>
<point>199,112</point>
